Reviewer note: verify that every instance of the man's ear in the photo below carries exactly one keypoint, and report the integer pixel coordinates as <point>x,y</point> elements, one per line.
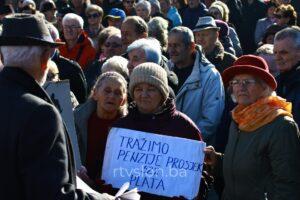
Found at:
<point>45,58</point>
<point>192,47</point>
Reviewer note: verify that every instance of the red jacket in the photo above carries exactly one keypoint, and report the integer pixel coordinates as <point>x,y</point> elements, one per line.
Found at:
<point>83,52</point>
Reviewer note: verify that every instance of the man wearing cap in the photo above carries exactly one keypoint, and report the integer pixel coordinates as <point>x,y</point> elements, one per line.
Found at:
<point>115,17</point>
<point>206,34</point>
<point>36,153</point>
<point>200,92</point>
<point>287,58</point>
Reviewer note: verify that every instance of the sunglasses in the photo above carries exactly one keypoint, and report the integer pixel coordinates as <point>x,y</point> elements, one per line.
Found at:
<point>95,15</point>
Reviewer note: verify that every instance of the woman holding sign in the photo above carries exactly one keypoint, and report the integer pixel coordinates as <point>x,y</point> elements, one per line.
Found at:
<point>108,102</point>
<point>153,112</point>
<point>261,159</point>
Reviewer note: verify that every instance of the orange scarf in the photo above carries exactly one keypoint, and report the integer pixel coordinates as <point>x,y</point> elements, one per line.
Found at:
<point>249,118</point>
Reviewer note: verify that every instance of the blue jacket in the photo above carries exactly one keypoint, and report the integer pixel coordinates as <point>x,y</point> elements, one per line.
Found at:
<point>174,16</point>
<point>202,97</point>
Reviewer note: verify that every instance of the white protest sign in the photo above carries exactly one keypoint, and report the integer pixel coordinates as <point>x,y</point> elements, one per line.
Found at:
<point>59,93</point>
<point>157,164</point>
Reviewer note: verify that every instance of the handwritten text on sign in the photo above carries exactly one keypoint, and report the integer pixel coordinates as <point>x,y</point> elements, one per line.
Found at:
<point>157,164</point>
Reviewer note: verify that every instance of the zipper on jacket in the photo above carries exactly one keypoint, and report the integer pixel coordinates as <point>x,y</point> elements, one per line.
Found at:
<point>233,156</point>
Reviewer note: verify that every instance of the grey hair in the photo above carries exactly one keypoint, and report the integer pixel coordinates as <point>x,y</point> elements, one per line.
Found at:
<point>158,28</point>
<point>139,24</point>
<point>266,49</point>
<point>144,4</point>
<point>117,64</point>
<point>73,17</point>
<point>290,32</point>
<point>150,46</point>
<point>21,56</point>
<point>117,77</point>
<point>187,34</point>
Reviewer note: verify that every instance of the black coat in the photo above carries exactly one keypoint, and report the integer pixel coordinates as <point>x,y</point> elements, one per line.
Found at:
<point>72,71</point>
<point>35,150</point>
<point>288,87</point>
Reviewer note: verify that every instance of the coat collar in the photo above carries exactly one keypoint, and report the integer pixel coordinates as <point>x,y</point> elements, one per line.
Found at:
<point>19,76</point>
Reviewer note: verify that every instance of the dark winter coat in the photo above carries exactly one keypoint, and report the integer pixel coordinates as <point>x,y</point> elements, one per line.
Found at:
<point>263,164</point>
<point>289,88</point>
<point>72,71</point>
<point>35,148</point>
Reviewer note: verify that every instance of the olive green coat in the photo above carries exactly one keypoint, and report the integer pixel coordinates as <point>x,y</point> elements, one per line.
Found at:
<point>263,163</point>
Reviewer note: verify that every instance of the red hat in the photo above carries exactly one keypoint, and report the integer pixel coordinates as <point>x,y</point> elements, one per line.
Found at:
<point>250,64</point>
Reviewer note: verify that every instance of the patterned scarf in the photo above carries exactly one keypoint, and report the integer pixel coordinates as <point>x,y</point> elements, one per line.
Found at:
<point>249,118</point>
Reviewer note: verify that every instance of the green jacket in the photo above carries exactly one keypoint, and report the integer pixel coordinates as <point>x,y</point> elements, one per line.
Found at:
<point>263,163</point>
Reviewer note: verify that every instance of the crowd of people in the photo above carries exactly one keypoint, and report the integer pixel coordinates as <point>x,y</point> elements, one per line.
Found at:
<point>226,72</point>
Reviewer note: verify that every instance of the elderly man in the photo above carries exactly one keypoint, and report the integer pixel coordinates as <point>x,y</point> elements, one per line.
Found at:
<point>287,57</point>
<point>206,34</point>
<point>35,147</point>
<point>78,46</point>
<point>133,28</point>
<point>200,92</point>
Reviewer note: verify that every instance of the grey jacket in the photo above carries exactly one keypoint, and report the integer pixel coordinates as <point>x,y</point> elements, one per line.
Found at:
<point>81,116</point>
<point>201,97</point>
<point>264,163</point>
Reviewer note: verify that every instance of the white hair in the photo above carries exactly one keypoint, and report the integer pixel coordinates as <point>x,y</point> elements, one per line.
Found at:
<point>21,56</point>
<point>73,17</point>
<point>117,64</point>
<point>150,46</point>
<point>144,4</point>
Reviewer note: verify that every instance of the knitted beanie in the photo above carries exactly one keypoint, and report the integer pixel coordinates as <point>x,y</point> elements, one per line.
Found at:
<point>152,74</point>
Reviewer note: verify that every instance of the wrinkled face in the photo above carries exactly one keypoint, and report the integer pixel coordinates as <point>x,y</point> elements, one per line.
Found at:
<point>71,29</point>
<point>206,38</point>
<point>215,13</point>
<point>246,89</point>
<point>110,95</point>
<point>136,57</point>
<point>114,22</point>
<point>193,3</point>
<point>113,46</point>
<point>128,34</point>
<point>143,12</point>
<point>286,54</point>
<point>94,18</point>
<point>177,49</point>
<point>147,97</point>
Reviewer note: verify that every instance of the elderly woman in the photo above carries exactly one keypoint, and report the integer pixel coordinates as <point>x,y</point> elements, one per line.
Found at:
<point>107,103</point>
<point>152,110</point>
<point>158,28</point>
<point>260,160</point>
<point>94,15</point>
<point>285,15</point>
<point>143,10</point>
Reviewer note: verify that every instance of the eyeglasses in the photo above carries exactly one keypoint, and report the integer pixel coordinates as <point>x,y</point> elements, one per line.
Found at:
<point>112,45</point>
<point>94,15</point>
<point>246,82</point>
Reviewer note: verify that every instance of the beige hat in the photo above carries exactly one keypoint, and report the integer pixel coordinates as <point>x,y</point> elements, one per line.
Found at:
<point>152,74</point>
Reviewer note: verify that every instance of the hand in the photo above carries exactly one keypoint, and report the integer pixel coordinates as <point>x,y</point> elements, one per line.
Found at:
<point>210,156</point>
<point>83,174</point>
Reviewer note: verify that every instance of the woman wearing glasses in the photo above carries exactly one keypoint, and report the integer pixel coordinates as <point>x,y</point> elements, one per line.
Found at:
<point>94,15</point>
<point>261,160</point>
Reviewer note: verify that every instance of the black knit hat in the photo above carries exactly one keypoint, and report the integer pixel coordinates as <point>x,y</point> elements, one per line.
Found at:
<point>25,29</point>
